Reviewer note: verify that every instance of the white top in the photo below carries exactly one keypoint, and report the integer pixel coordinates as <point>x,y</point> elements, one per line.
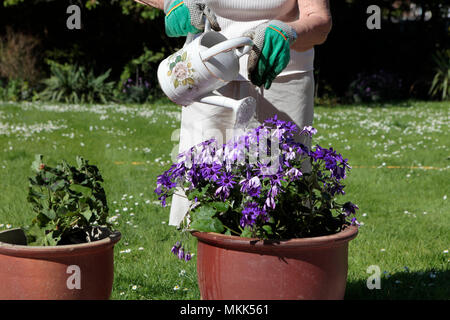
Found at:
<point>235,17</point>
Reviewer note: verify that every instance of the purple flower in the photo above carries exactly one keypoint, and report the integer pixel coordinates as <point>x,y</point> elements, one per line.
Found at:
<point>211,171</point>
<point>251,213</point>
<point>226,180</point>
<point>294,173</point>
<point>234,151</point>
<point>225,183</point>
<point>355,222</point>
<point>335,188</point>
<point>275,182</point>
<point>333,161</point>
<point>251,185</point>
<point>270,203</point>
<point>349,208</point>
<point>207,150</point>
<point>309,130</point>
<point>290,153</point>
<point>264,170</point>
<point>181,254</point>
<point>176,248</point>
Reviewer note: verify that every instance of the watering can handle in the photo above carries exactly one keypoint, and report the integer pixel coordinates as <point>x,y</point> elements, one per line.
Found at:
<point>190,36</point>
<point>244,43</point>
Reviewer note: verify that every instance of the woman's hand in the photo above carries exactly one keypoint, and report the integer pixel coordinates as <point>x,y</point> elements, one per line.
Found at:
<point>159,4</point>
<point>187,16</point>
<point>273,40</point>
<point>312,25</point>
<point>271,51</point>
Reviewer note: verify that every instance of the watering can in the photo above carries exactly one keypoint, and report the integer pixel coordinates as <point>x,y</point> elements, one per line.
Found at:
<point>203,65</point>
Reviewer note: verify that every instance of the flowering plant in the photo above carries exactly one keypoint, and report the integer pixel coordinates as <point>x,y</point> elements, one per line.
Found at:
<point>261,184</point>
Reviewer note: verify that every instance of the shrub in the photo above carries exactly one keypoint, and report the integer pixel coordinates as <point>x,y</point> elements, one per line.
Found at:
<point>72,84</point>
<point>135,91</point>
<point>143,70</point>
<point>440,86</point>
<point>18,57</point>
<point>16,90</point>
<point>376,86</point>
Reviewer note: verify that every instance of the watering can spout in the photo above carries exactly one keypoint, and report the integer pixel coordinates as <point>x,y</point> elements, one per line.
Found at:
<point>243,109</point>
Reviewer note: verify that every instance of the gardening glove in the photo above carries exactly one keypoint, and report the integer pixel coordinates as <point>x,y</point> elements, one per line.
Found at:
<point>183,17</point>
<point>271,51</point>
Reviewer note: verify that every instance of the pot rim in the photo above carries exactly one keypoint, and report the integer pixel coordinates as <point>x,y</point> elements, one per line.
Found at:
<point>59,251</point>
<point>238,243</point>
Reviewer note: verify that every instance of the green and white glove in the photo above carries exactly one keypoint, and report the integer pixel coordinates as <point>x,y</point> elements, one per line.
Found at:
<point>271,51</point>
<point>187,16</point>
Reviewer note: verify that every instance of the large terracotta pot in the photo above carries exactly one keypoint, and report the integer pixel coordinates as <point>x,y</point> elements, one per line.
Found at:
<point>66,272</point>
<point>234,268</point>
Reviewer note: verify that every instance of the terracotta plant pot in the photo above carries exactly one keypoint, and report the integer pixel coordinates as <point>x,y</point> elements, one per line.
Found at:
<point>234,268</point>
<point>66,272</point>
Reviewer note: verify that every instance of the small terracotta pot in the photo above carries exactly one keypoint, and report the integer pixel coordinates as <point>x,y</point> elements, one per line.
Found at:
<point>234,268</point>
<point>66,272</point>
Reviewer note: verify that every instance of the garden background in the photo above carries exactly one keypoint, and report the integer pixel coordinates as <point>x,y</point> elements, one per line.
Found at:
<point>381,100</point>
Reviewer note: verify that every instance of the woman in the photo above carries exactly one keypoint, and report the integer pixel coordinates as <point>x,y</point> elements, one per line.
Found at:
<point>278,72</point>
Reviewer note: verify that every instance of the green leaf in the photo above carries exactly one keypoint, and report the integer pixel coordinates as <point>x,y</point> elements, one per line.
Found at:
<point>203,220</point>
<point>184,56</point>
<point>268,229</point>
<point>49,213</point>
<point>247,233</point>
<point>205,211</point>
<point>208,225</point>
<point>87,214</point>
<point>196,193</point>
<point>50,240</point>
<point>220,206</point>
<point>61,211</point>
<point>80,161</point>
<point>59,184</point>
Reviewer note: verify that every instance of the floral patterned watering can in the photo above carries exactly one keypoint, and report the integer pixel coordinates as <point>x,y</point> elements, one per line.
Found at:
<point>203,65</point>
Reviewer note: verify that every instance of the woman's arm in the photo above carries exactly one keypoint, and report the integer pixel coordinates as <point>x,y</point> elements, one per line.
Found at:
<point>313,24</point>
<point>159,4</point>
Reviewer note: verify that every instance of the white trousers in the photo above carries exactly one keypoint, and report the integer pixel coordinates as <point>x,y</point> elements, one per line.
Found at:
<point>290,97</point>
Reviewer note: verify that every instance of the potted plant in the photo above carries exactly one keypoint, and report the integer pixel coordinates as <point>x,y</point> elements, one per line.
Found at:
<point>265,212</point>
<point>67,251</point>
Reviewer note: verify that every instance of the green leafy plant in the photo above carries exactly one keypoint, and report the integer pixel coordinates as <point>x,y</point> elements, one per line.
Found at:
<point>440,86</point>
<point>135,91</point>
<point>139,76</point>
<point>69,202</point>
<point>16,90</point>
<point>72,84</point>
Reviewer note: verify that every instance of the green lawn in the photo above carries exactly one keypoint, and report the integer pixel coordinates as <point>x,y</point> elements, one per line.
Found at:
<point>400,180</point>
